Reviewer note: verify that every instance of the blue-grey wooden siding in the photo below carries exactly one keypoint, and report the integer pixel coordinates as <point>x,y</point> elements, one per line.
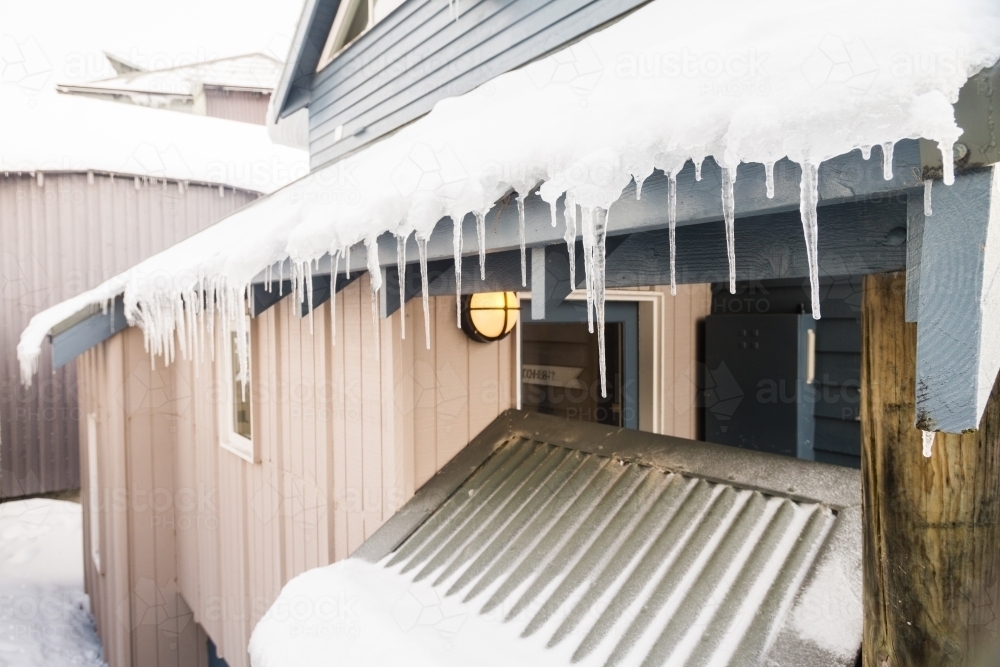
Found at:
<point>419,54</point>
<point>838,352</point>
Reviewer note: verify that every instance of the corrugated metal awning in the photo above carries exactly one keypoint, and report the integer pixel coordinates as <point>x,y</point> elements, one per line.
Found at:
<point>624,548</point>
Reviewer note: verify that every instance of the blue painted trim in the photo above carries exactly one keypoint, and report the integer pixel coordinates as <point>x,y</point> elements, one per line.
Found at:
<point>68,345</point>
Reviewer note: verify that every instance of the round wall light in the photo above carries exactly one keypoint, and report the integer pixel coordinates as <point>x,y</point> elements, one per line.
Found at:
<point>489,316</point>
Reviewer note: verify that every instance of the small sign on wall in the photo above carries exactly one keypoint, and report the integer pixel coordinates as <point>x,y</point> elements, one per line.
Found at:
<point>551,376</point>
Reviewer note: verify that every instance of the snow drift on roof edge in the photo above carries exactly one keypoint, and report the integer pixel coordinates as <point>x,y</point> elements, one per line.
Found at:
<point>742,82</point>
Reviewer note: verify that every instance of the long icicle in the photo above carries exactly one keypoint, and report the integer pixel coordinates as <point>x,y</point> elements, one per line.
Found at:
<point>808,200</point>
<point>569,213</point>
<point>456,238</point>
<point>928,209</point>
<point>769,179</point>
<point>729,212</point>
<point>333,295</point>
<point>887,160</point>
<point>520,233</point>
<point>481,238</point>
<point>672,223</point>
<point>401,270</point>
<point>598,268</point>
<point>422,252</point>
<point>375,279</point>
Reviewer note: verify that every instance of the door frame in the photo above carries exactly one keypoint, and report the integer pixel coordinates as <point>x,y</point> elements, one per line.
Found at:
<point>651,350</point>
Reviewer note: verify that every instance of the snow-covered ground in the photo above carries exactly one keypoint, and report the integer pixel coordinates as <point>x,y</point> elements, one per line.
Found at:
<point>44,614</point>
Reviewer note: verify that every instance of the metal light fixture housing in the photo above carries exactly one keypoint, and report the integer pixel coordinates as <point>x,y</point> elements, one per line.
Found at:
<point>489,316</point>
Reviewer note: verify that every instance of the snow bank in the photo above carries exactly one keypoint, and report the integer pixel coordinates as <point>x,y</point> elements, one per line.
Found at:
<point>44,613</point>
<point>55,132</point>
<point>672,82</point>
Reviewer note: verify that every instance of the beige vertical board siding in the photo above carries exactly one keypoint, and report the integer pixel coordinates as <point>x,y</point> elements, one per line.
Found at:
<point>57,240</point>
<point>683,315</point>
<point>241,105</point>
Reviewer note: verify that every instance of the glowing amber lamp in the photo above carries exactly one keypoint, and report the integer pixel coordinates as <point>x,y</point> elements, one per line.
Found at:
<point>489,316</point>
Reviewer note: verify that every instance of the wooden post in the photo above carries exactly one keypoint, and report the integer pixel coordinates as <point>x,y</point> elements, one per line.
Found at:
<point>931,525</point>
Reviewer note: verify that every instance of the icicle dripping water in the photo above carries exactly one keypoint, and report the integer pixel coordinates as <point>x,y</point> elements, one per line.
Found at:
<point>401,271</point>
<point>481,237</point>
<point>808,200</point>
<point>729,213</point>
<point>928,442</point>
<point>520,232</point>
<point>769,179</point>
<point>672,223</point>
<point>928,210</point>
<point>422,252</point>
<point>456,239</point>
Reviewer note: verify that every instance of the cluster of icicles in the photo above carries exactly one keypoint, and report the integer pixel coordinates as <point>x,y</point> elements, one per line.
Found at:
<point>192,315</point>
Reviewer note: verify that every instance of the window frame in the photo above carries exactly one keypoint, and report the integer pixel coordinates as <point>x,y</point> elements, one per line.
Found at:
<point>341,23</point>
<point>229,439</point>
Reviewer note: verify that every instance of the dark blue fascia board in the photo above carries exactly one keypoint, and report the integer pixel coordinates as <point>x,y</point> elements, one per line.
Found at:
<point>69,344</point>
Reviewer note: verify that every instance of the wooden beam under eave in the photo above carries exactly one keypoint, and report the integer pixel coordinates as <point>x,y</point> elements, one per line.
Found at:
<point>958,319</point>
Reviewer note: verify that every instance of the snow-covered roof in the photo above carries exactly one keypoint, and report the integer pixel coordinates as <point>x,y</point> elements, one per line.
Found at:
<point>669,83</point>
<point>53,132</point>
<point>582,545</point>
<point>253,71</point>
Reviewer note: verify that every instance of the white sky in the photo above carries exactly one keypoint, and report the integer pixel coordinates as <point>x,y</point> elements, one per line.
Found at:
<point>45,42</point>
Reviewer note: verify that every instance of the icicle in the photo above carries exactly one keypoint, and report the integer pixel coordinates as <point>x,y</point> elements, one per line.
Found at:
<point>520,232</point>
<point>375,278</point>
<point>769,178</point>
<point>456,239</point>
<point>947,161</point>
<point>597,282</point>
<point>928,441</point>
<point>928,211</point>
<point>638,188</point>
<point>481,239</point>
<point>422,252</point>
<point>697,168</point>
<point>866,152</point>
<point>401,270</point>
<point>808,200</point>
<point>587,226</point>
<point>569,236</point>
<point>672,222</point>
<point>552,207</point>
<point>887,160</point>
<point>347,262</point>
<point>729,213</point>
<point>333,295</point>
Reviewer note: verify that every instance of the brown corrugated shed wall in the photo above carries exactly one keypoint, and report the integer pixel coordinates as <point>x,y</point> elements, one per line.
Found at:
<point>60,234</point>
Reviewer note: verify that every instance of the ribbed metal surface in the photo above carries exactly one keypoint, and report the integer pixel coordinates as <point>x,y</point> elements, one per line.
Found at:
<point>61,234</point>
<point>618,563</point>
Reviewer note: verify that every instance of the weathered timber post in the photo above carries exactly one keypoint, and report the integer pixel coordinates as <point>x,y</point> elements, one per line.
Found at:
<point>931,525</point>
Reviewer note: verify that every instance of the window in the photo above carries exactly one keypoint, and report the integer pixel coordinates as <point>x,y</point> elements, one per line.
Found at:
<point>353,18</point>
<point>236,413</point>
<point>93,493</point>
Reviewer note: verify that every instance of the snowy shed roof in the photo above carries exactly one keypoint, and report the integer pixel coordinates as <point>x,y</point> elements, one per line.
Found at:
<point>549,542</point>
<point>52,132</point>
<point>667,85</point>
<point>256,72</point>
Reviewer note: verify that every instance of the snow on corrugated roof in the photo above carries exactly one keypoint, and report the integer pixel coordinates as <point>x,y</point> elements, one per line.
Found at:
<point>671,82</point>
<point>553,554</point>
<point>252,71</point>
<point>53,132</point>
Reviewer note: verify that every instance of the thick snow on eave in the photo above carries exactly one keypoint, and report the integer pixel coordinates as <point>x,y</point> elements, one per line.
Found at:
<point>672,82</point>
<point>49,131</point>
